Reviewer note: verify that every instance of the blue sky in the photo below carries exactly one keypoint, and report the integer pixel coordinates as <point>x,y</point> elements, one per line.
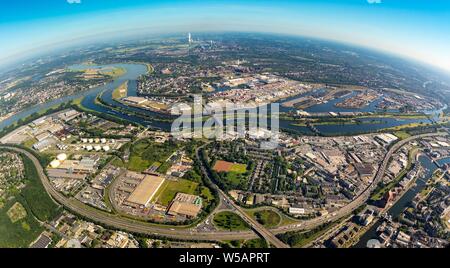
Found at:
<point>418,29</point>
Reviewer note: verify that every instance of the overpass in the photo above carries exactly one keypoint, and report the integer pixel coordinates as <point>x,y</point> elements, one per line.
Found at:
<point>258,228</point>
<point>185,233</point>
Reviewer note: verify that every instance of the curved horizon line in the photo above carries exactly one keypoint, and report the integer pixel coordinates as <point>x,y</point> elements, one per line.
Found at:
<point>96,39</point>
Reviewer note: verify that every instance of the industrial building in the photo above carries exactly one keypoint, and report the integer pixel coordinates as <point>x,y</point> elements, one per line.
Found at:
<point>185,205</point>
<point>62,168</point>
<point>135,100</point>
<point>386,138</point>
<point>146,190</point>
<point>43,241</point>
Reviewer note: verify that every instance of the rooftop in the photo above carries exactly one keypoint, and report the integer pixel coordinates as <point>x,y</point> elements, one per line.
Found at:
<point>146,189</point>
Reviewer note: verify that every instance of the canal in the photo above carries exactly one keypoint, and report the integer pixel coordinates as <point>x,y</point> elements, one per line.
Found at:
<point>404,201</point>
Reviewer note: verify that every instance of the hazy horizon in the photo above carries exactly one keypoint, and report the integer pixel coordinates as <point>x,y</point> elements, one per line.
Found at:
<point>413,29</point>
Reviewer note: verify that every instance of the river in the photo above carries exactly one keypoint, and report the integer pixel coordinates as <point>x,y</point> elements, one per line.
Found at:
<point>404,201</point>
<point>134,71</point>
<point>443,161</point>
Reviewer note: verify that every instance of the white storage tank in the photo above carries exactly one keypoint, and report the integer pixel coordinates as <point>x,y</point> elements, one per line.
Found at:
<point>62,157</point>
<point>55,163</point>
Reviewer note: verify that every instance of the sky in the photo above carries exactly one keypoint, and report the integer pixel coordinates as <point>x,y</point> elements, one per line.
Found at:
<point>416,29</point>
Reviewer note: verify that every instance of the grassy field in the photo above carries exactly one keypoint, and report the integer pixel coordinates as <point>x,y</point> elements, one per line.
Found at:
<point>239,168</point>
<point>406,126</point>
<point>255,243</point>
<point>301,239</point>
<point>402,135</point>
<point>206,194</point>
<point>286,220</point>
<point>234,174</point>
<point>77,101</point>
<point>17,234</point>
<point>138,164</point>
<point>121,91</point>
<point>145,152</point>
<point>230,221</point>
<point>267,218</point>
<point>162,167</point>
<point>235,179</point>
<point>224,166</point>
<point>16,212</point>
<point>117,162</point>
<point>114,72</point>
<point>169,190</point>
<point>30,142</point>
<point>156,105</point>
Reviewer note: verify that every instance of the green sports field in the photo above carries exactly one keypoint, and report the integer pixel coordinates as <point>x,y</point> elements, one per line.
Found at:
<point>238,168</point>
<point>169,190</point>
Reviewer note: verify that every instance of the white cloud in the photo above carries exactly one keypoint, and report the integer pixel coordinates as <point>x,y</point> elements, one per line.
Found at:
<point>74,1</point>
<point>374,1</point>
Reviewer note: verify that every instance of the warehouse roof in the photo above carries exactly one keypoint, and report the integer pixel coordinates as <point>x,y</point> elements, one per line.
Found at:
<point>146,189</point>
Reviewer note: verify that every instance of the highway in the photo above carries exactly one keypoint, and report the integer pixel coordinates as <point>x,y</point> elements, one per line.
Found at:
<point>128,224</point>
<point>359,200</point>
<point>362,198</point>
<point>184,233</point>
<point>261,230</point>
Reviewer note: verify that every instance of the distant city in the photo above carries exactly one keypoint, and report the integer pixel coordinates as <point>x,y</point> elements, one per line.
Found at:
<point>362,158</point>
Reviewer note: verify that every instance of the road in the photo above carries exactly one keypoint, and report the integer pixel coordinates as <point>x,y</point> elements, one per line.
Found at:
<point>134,226</point>
<point>362,198</point>
<point>261,230</point>
<point>128,224</point>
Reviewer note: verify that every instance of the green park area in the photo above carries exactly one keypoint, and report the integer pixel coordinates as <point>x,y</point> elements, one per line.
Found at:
<point>302,239</point>
<point>145,153</point>
<point>206,195</point>
<point>402,134</point>
<point>234,175</point>
<point>171,188</point>
<point>30,142</point>
<point>20,215</point>
<point>117,162</point>
<point>113,72</point>
<point>238,168</point>
<point>236,180</point>
<point>230,221</point>
<point>16,213</point>
<point>267,218</point>
<point>18,228</point>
